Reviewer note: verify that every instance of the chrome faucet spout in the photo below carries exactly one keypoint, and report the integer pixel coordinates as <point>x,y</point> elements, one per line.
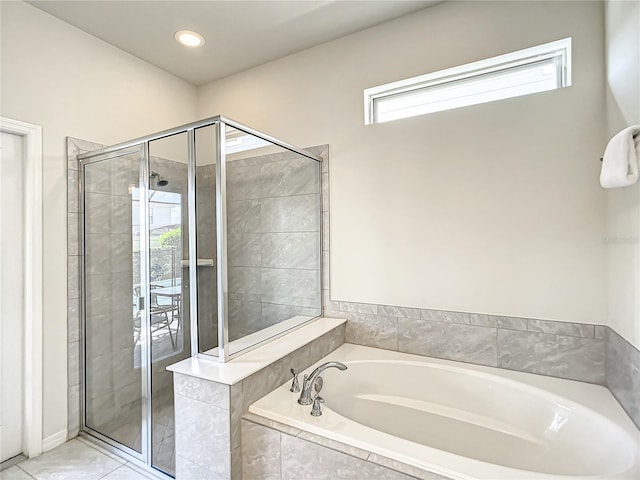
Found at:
<point>307,384</point>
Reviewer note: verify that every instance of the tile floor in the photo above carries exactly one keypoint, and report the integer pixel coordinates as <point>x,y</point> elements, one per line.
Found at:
<point>74,460</point>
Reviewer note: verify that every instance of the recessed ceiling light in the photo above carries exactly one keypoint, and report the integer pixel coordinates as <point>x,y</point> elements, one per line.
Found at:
<point>189,38</point>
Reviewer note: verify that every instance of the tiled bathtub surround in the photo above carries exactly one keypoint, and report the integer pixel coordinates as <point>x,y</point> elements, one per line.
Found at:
<point>565,350</point>
<point>278,452</point>
<point>208,438</point>
<point>623,374</point>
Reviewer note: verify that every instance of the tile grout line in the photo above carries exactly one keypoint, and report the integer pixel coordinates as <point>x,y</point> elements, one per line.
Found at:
<point>23,470</point>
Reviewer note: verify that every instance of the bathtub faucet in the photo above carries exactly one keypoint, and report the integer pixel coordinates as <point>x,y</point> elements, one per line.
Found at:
<point>308,381</point>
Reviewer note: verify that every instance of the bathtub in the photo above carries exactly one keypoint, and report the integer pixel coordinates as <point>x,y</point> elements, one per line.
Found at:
<point>465,421</point>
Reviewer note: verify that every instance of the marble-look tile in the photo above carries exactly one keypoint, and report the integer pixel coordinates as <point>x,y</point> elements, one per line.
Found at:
<point>213,393</point>
<point>321,347</point>
<point>203,434</point>
<point>187,470</point>
<point>98,177</point>
<point>512,323</point>
<point>273,313</point>
<point>465,343</point>
<point>243,182</point>
<point>75,146</point>
<point>73,238</point>
<point>373,331</point>
<point>414,472</point>
<point>73,277</point>
<point>295,176</point>
<point>300,213</point>
<point>72,460</point>
<point>623,374</point>
<point>403,312</point>
<point>245,281</point>
<point>325,192</point>
<point>97,218</point>
<point>244,216</point>
<point>73,411</point>
<point>291,287</point>
<point>483,320</point>
<point>126,174</point>
<point>73,200</point>
<point>326,236</point>
<point>73,363</point>
<point>236,410</point>
<point>244,250</point>
<point>260,452</point>
<point>125,473</point>
<point>600,332</point>
<point>574,358</point>
<point>351,307</point>
<point>333,445</point>
<point>262,382</point>
<point>73,319</point>
<point>15,473</point>
<point>110,253</point>
<point>444,316</point>
<point>321,151</point>
<point>291,250</point>
<point>302,460</point>
<point>245,317</point>
<point>325,269</point>
<point>236,464</point>
<point>249,417</point>
<point>561,328</point>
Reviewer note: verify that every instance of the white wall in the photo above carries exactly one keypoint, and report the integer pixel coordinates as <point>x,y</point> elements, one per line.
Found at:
<point>623,204</point>
<point>494,208</point>
<point>73,84</point>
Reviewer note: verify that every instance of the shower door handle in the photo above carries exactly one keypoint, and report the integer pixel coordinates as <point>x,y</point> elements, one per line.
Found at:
<point>140,303</point>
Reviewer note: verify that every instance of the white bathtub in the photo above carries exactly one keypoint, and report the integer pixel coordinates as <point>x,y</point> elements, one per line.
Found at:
<point>466,421</point>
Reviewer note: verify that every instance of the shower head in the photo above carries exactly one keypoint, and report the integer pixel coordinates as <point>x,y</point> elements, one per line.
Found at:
<point>157,180</point>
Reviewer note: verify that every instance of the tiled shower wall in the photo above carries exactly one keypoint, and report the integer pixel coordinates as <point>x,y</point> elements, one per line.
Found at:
<point>113,383</point>
<point>273,240</point>
<point>74,148</point>
<point>591,353</point>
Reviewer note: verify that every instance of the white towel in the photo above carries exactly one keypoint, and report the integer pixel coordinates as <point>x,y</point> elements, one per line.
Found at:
<point>621,157</point>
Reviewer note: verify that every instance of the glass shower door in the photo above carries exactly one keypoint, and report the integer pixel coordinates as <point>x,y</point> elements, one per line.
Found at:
<point>169,287</point>
<point>136,295</point>
<point>113,307</point>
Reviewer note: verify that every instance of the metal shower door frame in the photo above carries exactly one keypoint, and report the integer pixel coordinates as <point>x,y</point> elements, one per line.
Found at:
<point>141,459</point>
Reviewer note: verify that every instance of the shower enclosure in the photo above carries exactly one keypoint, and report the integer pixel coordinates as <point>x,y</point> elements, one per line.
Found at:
<point>203,240</point>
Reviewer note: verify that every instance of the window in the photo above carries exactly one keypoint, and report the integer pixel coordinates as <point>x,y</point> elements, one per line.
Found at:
<point>533,70</point>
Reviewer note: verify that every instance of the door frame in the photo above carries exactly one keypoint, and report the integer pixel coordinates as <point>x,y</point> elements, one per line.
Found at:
<point>33,288</point>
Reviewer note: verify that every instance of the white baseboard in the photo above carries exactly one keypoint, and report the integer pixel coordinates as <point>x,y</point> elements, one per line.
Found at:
<point>52,441</point>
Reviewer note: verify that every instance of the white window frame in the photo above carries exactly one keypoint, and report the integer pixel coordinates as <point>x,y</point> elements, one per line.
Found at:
<point>559,49</point>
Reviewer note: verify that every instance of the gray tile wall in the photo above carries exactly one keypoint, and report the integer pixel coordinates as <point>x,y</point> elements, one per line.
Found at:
<point>113,387</point>
<point>274,252</point>
<point>74,148</point>
<point>623,373</point>
<point>285,453</point>
<point>559,349</point>
<point>208,414</point>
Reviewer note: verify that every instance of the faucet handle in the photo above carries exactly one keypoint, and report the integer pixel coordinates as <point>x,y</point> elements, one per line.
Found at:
<point>295,385</point>
<point>316,409</point>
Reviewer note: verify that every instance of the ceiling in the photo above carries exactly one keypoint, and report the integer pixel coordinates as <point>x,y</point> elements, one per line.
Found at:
<point>240,34</point>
